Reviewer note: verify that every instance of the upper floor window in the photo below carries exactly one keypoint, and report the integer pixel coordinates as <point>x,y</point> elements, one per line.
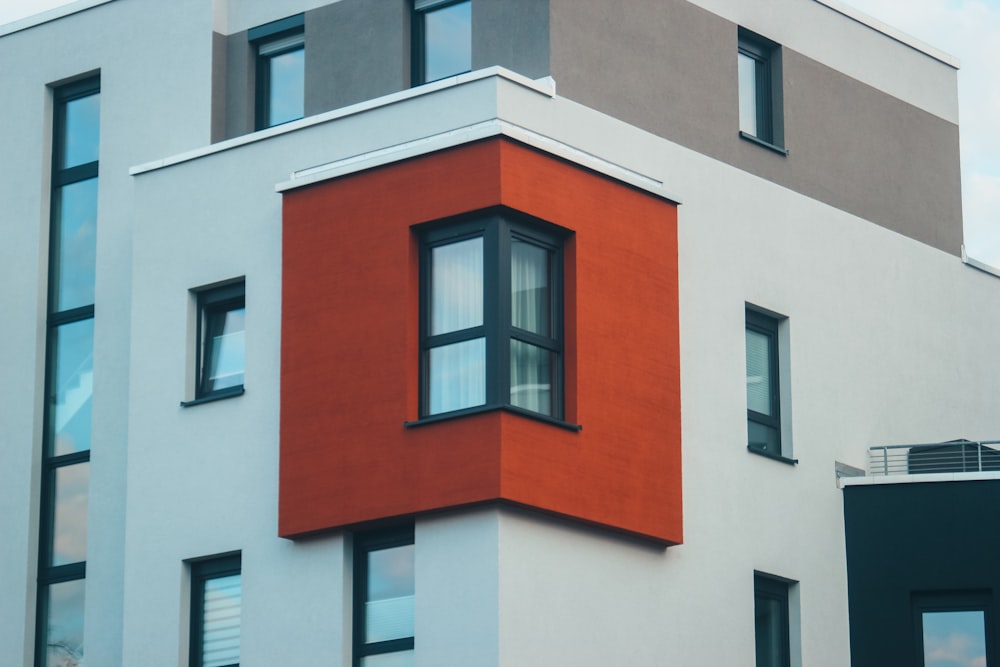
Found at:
<point>216,607</point>
<point>442,39</point>
<point>492,316</point>
<point>760,95</point>
<point>281,59</point>
<point>384,598</point>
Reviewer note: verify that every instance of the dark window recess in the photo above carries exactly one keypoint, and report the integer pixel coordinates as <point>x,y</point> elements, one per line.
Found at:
<point>384,598</point>
<point>216,607</point>
<point>763,392</point>
<point>280,67</point>
<point>492,315</point>
<point>760,91</point>
<point>442,39</point>
<point>771,632</point>
<point>221,340</point>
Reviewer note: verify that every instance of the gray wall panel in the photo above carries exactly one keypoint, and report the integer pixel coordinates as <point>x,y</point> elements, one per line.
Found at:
<point>670,68</point>
<point>514,34</point>
<point>238,102</point>
<point>356,50</point>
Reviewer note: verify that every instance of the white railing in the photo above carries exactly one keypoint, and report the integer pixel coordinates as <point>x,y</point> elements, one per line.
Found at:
<point>939,457</point>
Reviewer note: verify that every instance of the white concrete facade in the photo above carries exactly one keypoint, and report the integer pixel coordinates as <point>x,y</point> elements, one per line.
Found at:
<point>888,340</point>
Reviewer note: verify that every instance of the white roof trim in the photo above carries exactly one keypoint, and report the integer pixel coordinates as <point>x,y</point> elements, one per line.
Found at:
<point>545,86</point>
<point>889,31</point>
<point>869,480</point>
<point>49,15</point>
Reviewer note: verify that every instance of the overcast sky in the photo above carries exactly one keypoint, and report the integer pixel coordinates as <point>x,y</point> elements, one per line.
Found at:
<point>966,29</point>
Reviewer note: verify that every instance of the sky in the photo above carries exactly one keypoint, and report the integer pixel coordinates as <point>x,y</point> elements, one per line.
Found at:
<point>966,29</point>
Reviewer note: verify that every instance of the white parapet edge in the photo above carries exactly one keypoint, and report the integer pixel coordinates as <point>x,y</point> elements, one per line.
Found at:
<point>49,15</point>
<point>869,480</point>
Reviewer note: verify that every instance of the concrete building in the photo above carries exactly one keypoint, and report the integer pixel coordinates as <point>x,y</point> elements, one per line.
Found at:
<point>407,332</point>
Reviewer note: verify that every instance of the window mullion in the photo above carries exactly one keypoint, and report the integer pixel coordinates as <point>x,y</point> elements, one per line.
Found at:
<point>496,315</point>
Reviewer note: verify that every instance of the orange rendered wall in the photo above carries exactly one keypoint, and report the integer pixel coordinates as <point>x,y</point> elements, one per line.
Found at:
<point>349,364</point>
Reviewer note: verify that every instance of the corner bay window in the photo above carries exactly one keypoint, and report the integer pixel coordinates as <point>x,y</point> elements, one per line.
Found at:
<point>492,316</point>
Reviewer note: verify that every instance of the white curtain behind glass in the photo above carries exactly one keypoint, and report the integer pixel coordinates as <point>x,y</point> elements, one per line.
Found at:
<point>530,294</point>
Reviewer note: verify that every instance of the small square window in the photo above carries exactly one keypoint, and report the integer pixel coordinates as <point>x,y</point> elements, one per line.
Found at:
<point>442,39</point>
<point>384,598</point>
<point>216,606</point>
<point>954,629</point>
<point>764,390</point>
<point>771,621</point>
<point>759,72</point>
<point>221,340</point>
<point>281,58</point>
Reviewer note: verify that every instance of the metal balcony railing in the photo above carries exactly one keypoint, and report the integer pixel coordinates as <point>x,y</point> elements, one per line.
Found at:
<point>940,457</point>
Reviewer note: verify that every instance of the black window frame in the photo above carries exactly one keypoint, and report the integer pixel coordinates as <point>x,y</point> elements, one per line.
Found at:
<point>211,301</point>
<point>364,543</point>
<point>769,326</point>
<point>771,588</point>
<point>497,227</point>
<point>260,38</point>
<point>420,9</point>
<point>49,575</point>
<point>769,100</point>
<point>949,601</point>
<point>203,570</point>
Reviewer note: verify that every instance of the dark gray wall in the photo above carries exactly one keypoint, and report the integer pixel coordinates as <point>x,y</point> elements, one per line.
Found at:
<point>356,50</point>
<point>903,539</point>
<point>512,33</point>
<point>670,67</point>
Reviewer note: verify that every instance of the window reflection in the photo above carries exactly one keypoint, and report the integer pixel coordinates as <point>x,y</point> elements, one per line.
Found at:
<point>81,131</point>
<point>457,286</point>
<point>226,332</point>
<point>64,624</point>
<point>286,92</point>
<point>69,521</point>
<point>748,94</point>
<point>457,376</point>
<point>389,607</point>
<point>71,385</point>
<point>954,638</point>
<point>220,640</point>
<point>447,41</point>
<point>74,245</point>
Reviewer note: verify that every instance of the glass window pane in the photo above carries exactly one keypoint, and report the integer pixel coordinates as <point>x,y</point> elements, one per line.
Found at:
<point>748,94</point>
<point>286,96</point>
<point>223,602</point>
<point>69,521</point>
<point>64,624</point>
<point>81,131</point>
<point>226,350</point>
<point>74,245</point>
<point>953,638</point>
<point>457,376</point>
<point>71,385</point>
<point>531,377</point>
<point>389,607</point>
<point>456,293</point>
<point>447,41</point>
<point>768,632</point>
<point>396,659</point>
<point>763,438</point>
<point>530,303</point>
<point>758,372</point>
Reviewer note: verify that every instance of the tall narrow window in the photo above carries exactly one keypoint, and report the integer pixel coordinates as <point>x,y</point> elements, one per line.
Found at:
<point>384,598</point>
<point>69,375</point>
<point>492,317</point>
<point>771,631</point>
<point>216,607</point>
<point>281,59</point>
<point>763,391</point>
<point>759,75</point>
<point>442,39</point>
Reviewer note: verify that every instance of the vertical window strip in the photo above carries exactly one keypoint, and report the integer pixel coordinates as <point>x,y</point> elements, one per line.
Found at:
<point>69,374</point>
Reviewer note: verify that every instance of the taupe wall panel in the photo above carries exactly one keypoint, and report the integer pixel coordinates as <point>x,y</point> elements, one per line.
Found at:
<point>238,102</point>
<point>669,67</point>
<point>513,34</point>
<point>356,50</point>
